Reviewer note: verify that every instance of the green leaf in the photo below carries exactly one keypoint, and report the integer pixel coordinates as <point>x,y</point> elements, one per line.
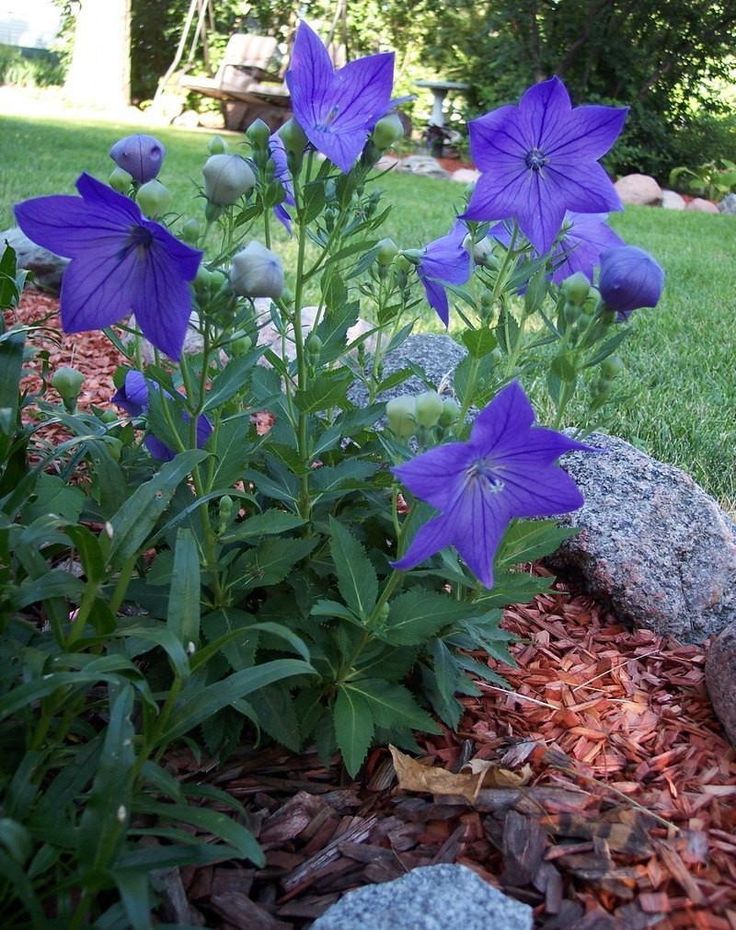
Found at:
<point>392,705</point>
<point>529,540</point>
<point>208,701</point>
<point>270,522</point>
<point>158,634</point>
<point>214,822</point>
<point>134,893</point>
<point>231,379</point>
<point>507,331</point>
<point>327,390</point>
<point>16,839</point>
<point>138,515</point>
<point>356,577</point>
<point>271,561</point>
<point>89,551</point>
<point>22,888</point>
<point>328,608</point>
<point>479,342</point>
<point>56,583</point>
<point>182,617</point>
<point>418,614</point>
<point>54,497</point>
<point>274,707</point>
<point>353,727</point>
<point>11,366</point>
<point>332,479</point>
<point>171,857</point>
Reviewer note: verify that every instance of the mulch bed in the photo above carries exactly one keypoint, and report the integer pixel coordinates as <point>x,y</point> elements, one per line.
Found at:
<point>607,798</point>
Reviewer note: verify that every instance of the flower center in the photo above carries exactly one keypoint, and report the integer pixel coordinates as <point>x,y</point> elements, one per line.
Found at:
<point>483,471</point>
<point>140,239</point>
<point>536,159</point>
<point>326,124</point>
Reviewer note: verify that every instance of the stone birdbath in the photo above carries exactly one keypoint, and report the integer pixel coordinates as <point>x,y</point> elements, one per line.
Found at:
<point>440,90</point>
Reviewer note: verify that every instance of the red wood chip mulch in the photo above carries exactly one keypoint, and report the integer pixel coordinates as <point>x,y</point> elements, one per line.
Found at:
<point>607,799</point>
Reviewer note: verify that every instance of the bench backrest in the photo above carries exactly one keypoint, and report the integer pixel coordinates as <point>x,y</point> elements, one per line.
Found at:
<point>246,50</point>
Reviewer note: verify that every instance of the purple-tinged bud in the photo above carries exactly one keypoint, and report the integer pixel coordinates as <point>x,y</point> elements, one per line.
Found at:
<point>257,272</point>
<point>630,279</point>
<point>227,178</point>
<point>120,180</point>
<point>153,198</point>
<point>388,129</point>
<point>140,155</point>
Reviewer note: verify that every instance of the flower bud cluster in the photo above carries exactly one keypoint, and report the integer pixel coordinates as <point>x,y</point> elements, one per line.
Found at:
<point>411,414</point>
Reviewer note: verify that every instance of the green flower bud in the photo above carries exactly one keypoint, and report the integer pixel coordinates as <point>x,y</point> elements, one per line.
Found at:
<point>387,251</point>
<point>68,382</point>
<point>153,198</point>
<point>108,416</point>
<point>120,180</point>
<point>216,145</point>
<point>313,345</point>
<point>257,272</point>
<point>295,142</point>
<point>114,446</point>
<point>240,346</point>
<point>387,130</point>
<point>257,134</point>
<point>227,178</point>
<point>225,511</point>
<point>191,231</point>
<point>401,415</point>
<point>576,288</point>
<point>429,408</point>
<point>611,367</point>
<point>450,412</point>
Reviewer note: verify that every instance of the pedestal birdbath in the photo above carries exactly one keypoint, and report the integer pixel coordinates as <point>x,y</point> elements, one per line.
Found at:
<point>440,89</point>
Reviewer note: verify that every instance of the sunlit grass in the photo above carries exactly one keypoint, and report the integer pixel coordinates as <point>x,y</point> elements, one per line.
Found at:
<point>680,357</point>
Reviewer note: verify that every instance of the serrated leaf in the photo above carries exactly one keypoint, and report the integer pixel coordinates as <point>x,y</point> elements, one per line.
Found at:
<point>507,331</point>
<point>418,614</point>
<point>274,707</point>
<point>54,496</point>
<point>231,379</point>
<point>356,577</point>
<point>529,540</point>
<point>393,706</point>
<point>271,561</point>
<point>327,390</point>
<point>353,727</point>
<point>270,522</point>
<point>331,479</point>
<point>328,608</point>
<point>479,342</point>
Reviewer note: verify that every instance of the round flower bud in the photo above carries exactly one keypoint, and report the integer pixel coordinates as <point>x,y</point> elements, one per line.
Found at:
<point>68,382</point>
<point>227,178</point>
<point>140,155</point>
<point>191,231</point>
<point>401,415</point>
<point>450,411</point>
<point>258,134</point>
<point>611,366</point>
<point>292,135</point>
<point>120,180</point>
<point>153,198</point>
<point>387,130</point>
<point>225,511</point>
<point>313,345</point>
<point>257,272</point>
<point>576,288</point>
<point>387,251</point>
<point>216,145</point>
<point>241,346</point>
<point>429,408</point>
<point>630,279</point>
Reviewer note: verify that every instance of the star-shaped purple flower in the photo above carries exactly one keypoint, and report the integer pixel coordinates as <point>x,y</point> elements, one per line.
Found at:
<point>133,398</point>
<point>505,470</point>
<point>337,109</point>
<point>444,261</point>
<point>540,159</point>
<point>122,263</point>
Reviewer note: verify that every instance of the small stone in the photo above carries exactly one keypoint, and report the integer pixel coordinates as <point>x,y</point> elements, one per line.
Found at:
<point>671,200</point>
<point>639,190</point>
<point>720,677</point>
<point>385,162</point>
<point>435,897</point>
<point>728,205</point>
<point>424,165</point>
<point>652,544</point>
<point>47,267</point>
<point>465,175</point>
<point>699,205</point>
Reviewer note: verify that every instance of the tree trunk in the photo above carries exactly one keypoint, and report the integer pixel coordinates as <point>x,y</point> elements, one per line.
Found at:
<point>99,74</point>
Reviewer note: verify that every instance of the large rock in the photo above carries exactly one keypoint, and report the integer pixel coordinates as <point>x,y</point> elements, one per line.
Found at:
<point>47,268</point>
<point>728,205</point>
<point>652,543</point>
<point>699,205</point>
<point>639,190</point>
<point>435,897</point>
<point>465,175</point>
<point>720,676</point>
<point>437,355</point>
<point>424,165</point>
<point>671,200</point>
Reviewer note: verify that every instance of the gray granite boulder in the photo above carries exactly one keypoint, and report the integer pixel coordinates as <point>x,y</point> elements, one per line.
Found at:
<point>437,355</point>
<point>423,164</point>
<point>728,204</point>
<point>47,268</point>
<point>652,543</point>
<point>720,677</point>
<point>435,897</point>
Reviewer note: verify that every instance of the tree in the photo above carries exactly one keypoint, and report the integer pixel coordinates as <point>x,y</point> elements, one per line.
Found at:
<point>99,72</point>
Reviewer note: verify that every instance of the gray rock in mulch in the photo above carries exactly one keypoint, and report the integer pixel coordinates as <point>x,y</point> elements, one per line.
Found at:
<point>720,677</point>
<point>437,355</point>
<point>435,897</point>
<point>423,164</point>
<point>728,204</point>
<point>47,268</point>
<point>652,543</point>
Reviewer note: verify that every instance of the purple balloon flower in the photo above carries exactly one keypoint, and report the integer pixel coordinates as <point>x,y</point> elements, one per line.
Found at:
<point>133,398</point>
<point>505,470</point>
<point>337,109</point>
<point>444,261</point>
<point>282,174</point>
<point>584,237</point>
<point>540,159</point>
<point>122,263</point>
<point>630,279</point>
<point>140,155</point>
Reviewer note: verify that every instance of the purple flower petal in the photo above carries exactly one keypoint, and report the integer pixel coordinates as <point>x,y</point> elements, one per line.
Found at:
<point>543,108</point>
<point>585,237</point>
<point>444,261</point>
<point>431,476</point>
<point>590,129</point>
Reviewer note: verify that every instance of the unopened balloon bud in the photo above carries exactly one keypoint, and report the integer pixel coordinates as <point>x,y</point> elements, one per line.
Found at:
<point>295,142</point>
<point>140,155</point>
<point>217,145</point>
<point>258,134</point>
<point>428,407</point>
<point>257,272</point>
<point>611,367</point>
<point>120,180</point>
<point>313,346</point>
<point>450,411</point>
<point>225,511</point>
<point>386,251</point>
<point>153,198</point>
<point>227,178</point>
<point>68,382</point>
<point>241,346</point>
<point>191,231</point>
<point>576,288</point>
<point>401,415</point>
<point>388,129</point>
<point>481,251</point>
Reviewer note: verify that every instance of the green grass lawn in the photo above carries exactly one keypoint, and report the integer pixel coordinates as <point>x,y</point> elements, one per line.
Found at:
<point>680,358</point>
